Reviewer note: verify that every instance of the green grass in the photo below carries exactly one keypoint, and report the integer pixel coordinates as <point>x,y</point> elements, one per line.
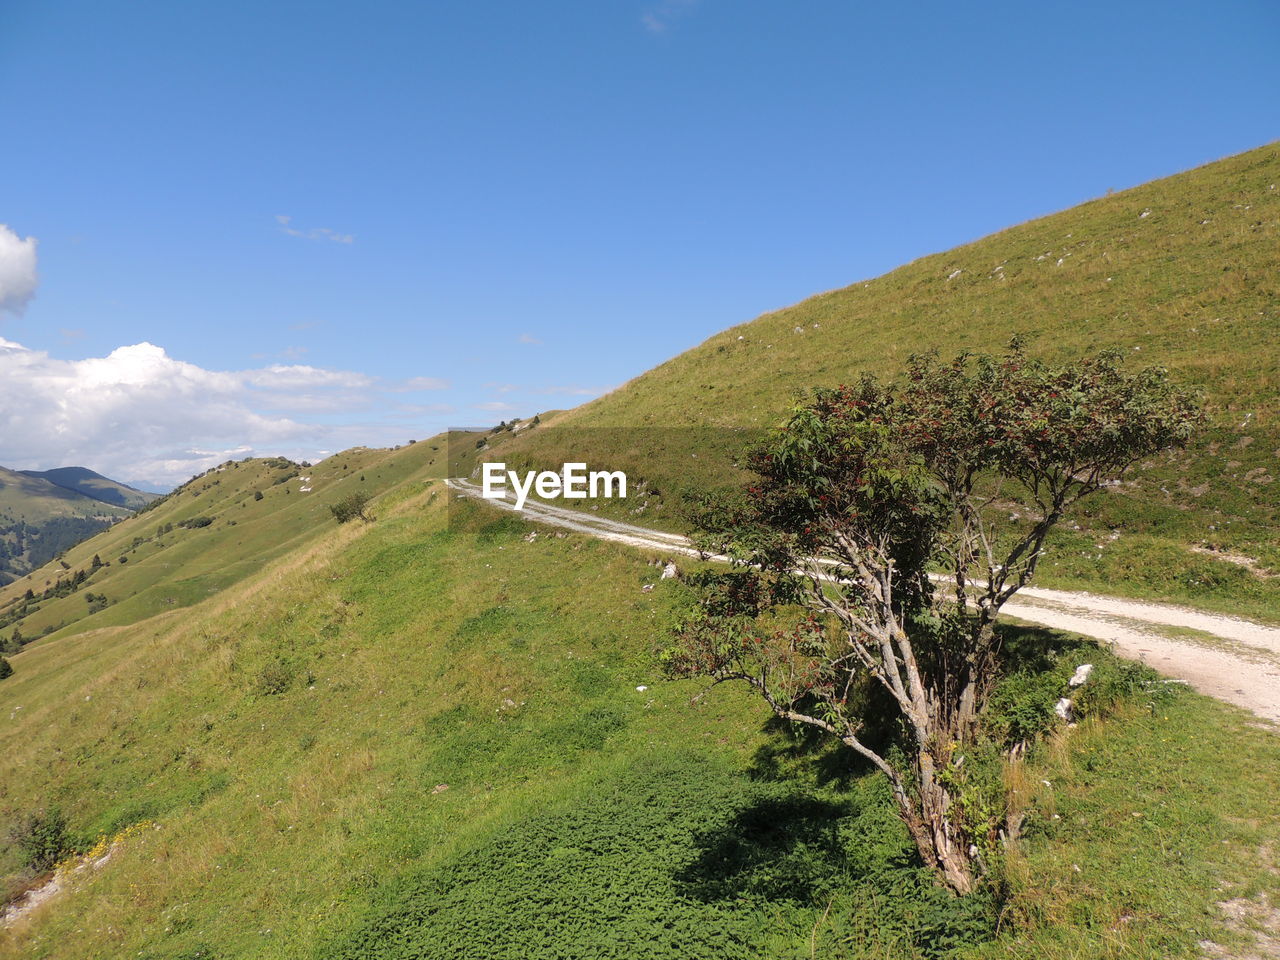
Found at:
<point>166,571</point>
<point>676,855</point>
<point>288,738</point>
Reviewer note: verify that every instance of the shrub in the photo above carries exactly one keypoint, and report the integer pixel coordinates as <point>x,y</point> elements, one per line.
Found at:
<point>351,507</point>
<point>274,678</point>
<point>42,839</point>
<point>6,668</point>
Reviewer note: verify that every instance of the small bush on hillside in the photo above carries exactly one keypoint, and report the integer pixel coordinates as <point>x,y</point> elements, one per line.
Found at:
<point>274,678</point>
<point>42,839</point>
<point>6,669</point>
<point>349,508</point>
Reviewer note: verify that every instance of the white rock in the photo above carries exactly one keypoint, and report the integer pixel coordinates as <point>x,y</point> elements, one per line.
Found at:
<point>641,689</point>
<point>669,571</point>
<point>954,274</point>
<point>1063,708</point>
<point>1081,675</point>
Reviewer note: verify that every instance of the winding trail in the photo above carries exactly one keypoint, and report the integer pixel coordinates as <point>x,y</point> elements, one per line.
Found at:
<point>1232,659</point>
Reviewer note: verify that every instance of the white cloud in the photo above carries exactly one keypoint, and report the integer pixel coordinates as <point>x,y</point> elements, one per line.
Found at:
<point>414,384</point>
<point>315,233</point>
<point>280,375</point>
<point>529,338</point>
<point>17,271</point>
<point>494,406</point>
<point>139,414</point>
<point>659,17</point>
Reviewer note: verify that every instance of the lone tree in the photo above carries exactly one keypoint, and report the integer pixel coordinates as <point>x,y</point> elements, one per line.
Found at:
<point>870,560</point>
<point>351,507</point>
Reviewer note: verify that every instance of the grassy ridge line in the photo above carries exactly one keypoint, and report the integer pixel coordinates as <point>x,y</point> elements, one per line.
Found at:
<point>1182,272</point>
<point>34,498</point>
<point>85,481</point>
<point>1129,279</point>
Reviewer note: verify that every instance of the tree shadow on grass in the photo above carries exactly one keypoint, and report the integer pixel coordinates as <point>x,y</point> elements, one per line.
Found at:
<point>1029,649</point>
<point>796,751</point>
<point>775,848</point>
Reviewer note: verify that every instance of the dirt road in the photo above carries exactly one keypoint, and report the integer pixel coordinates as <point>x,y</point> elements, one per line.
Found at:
<point>1235,660</point>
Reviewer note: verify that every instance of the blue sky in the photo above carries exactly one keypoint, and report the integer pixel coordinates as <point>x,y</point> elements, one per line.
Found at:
<point>350,223</point>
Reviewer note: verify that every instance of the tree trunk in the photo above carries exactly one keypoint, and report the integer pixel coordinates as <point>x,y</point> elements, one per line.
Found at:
<point>975,680</point>
<point>942,845</point>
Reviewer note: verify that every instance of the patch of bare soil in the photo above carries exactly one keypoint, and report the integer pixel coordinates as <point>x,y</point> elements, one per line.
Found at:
<point>1254,918</point>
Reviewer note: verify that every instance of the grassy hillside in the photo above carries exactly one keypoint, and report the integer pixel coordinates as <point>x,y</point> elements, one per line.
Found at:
<point>206,535</point>
<point>1183,272</point>
<point>420,739</point>
<point>95,485</point>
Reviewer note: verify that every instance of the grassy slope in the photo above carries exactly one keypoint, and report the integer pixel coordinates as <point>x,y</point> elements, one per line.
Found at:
<point>1194,285</point>
<point>289,738</point>
<point>175,569</point>
<point>34,499</point>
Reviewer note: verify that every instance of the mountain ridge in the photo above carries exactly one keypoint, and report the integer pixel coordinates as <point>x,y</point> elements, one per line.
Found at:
<point>92,484</point>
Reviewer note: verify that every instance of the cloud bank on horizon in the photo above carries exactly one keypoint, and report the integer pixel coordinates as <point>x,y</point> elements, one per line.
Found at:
<point>140,415</point>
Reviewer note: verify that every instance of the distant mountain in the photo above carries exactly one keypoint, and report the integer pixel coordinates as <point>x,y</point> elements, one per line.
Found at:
<point>85,481</point>
<point>41,517</point>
